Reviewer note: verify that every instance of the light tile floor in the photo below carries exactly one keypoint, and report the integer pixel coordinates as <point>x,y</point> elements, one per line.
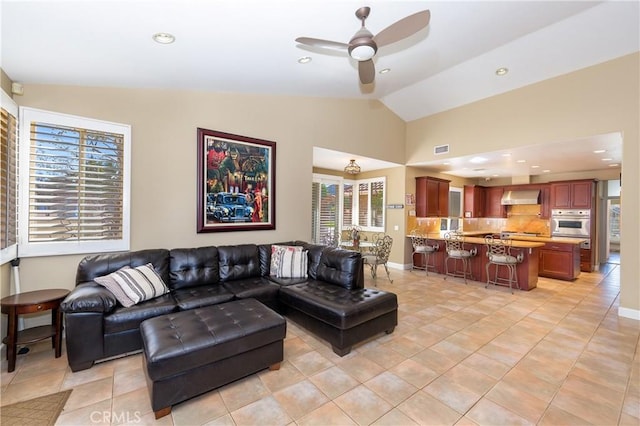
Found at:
<point>461,354</point>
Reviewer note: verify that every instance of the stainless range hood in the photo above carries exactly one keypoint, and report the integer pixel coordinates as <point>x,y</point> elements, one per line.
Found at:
<point>512,198</point>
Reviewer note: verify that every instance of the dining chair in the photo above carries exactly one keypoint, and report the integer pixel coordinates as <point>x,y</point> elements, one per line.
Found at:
<point>379,256</point>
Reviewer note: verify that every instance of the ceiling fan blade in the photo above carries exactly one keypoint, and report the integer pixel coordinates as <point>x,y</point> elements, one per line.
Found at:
<point>403,28</point>
<point>367,71</point>
<point>327,44</point>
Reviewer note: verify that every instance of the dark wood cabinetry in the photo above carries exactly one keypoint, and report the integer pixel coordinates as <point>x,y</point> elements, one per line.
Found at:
<point>586,260</point>
<point>493,202</point>
<point>572,194</point>
<point>474,201</point>
<point>559,260</point>
<point>545,201</point>
<point>432,197</point>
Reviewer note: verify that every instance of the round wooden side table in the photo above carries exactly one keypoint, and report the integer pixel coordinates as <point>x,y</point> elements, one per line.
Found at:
<point>28,303</point>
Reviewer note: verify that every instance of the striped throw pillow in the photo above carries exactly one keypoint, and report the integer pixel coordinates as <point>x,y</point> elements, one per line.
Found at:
<point>140,283</point>
<point>288,262</point>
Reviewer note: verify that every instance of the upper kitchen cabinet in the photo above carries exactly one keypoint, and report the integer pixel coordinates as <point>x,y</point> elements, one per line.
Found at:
<point>577,194</point>
<point>493,202</point>
<point>432,197</point>
<point>474,201</point>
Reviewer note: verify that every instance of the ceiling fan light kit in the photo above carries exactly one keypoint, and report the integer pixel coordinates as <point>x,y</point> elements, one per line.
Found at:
<point>363,46</point>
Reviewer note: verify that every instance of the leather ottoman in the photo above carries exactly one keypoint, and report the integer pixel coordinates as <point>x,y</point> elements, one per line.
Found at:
<point>342,317</point>
<point>191,352</point>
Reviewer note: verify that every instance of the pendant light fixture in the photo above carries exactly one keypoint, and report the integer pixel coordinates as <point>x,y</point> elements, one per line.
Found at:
<point>352,168</point>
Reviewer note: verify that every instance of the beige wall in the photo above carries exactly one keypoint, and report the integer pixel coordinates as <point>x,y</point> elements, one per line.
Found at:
<point>597,100</point>
<point>163,204</point>
<point>601,99</point>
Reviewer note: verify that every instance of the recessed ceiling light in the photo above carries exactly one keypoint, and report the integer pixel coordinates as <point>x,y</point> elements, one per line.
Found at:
<point>446,163</point>
<point>506,155</point>
<point>521,161</point>
<point>478,160</point>
<point>535,167</point>
<point>546,171</point>
<point>163,38</point>
<point>495,175</point>
<point>502,71</point>
<point>384,70</point>
<point>304,60</point>
<point>614,165</point>
<point>606,159</point>
<point>599,151</point>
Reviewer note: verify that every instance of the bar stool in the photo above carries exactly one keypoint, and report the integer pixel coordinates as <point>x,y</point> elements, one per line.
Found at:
<point>499,254</point>
<point>422,248</point>
<point>457,252</point>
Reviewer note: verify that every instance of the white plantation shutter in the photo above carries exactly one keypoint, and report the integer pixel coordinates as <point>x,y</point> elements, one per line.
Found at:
<point>76,189</point>
<point>325,219</point>
<point>8,179</point>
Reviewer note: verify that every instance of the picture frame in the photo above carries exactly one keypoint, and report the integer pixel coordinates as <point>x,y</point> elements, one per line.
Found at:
<point>236,182</point>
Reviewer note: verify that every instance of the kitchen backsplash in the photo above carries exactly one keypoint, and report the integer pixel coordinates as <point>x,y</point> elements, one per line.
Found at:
<point>520,218</point>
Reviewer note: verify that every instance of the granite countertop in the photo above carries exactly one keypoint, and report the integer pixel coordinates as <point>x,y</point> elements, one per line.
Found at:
<point>471,237</point>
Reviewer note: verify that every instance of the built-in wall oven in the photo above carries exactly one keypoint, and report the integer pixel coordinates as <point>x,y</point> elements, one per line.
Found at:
<point>570,223</point>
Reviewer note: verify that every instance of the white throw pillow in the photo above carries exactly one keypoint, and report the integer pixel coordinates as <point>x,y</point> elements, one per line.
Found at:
<point>139,284</point>
<point>288,262</point>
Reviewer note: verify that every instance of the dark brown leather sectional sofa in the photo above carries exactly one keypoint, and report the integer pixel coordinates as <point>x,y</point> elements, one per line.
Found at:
<point>331,301</point>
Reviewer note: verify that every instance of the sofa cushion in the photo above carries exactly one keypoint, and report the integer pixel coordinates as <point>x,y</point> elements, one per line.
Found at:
<point>340,267</point>
<point>98,265</point>
<point>338,306</point>
<point>288,261</point>
<point>123,319</point>
<point>193,267</point>
<point>259,288</point>
<point>238,262</point>
<point>204,295</point>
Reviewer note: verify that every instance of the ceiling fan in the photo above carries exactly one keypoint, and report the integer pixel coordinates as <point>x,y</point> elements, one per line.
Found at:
<point>364,45</point>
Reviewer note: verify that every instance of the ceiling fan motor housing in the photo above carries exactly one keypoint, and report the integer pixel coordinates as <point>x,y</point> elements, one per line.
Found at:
<point>362,47</point>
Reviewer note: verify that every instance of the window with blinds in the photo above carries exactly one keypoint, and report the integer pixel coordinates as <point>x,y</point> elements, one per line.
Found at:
<point>336,206</point>
<point>324,207</point>
<point>75,194</point>
<point>8,179</point>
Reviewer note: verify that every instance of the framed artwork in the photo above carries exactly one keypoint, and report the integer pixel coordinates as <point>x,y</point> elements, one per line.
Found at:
<point>236,182</point>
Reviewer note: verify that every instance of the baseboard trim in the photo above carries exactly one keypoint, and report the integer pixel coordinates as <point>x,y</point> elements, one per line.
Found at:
<point>629,313</point>
<point>400,266</point>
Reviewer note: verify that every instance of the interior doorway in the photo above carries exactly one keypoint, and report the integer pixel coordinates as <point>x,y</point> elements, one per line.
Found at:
<point>613,230</point>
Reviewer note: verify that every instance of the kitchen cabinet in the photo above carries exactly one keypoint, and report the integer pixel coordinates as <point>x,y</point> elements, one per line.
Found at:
<point>545,201</point>
<point>474,201</point>
<point>559,260</point>
<point>572,194</point>
<point>432,197</point>
<point>586,263</point>
<point>493,202</point>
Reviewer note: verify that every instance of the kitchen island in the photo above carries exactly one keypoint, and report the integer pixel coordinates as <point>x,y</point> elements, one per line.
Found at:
<point>527,271</point>
<point>552,257</point>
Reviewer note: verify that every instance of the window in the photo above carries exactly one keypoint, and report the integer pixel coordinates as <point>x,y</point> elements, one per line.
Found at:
<point>74,188</point>
<point>334,203</point>
<point>370,204</point>
<point>8,181</point>
<point>325,208</point>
